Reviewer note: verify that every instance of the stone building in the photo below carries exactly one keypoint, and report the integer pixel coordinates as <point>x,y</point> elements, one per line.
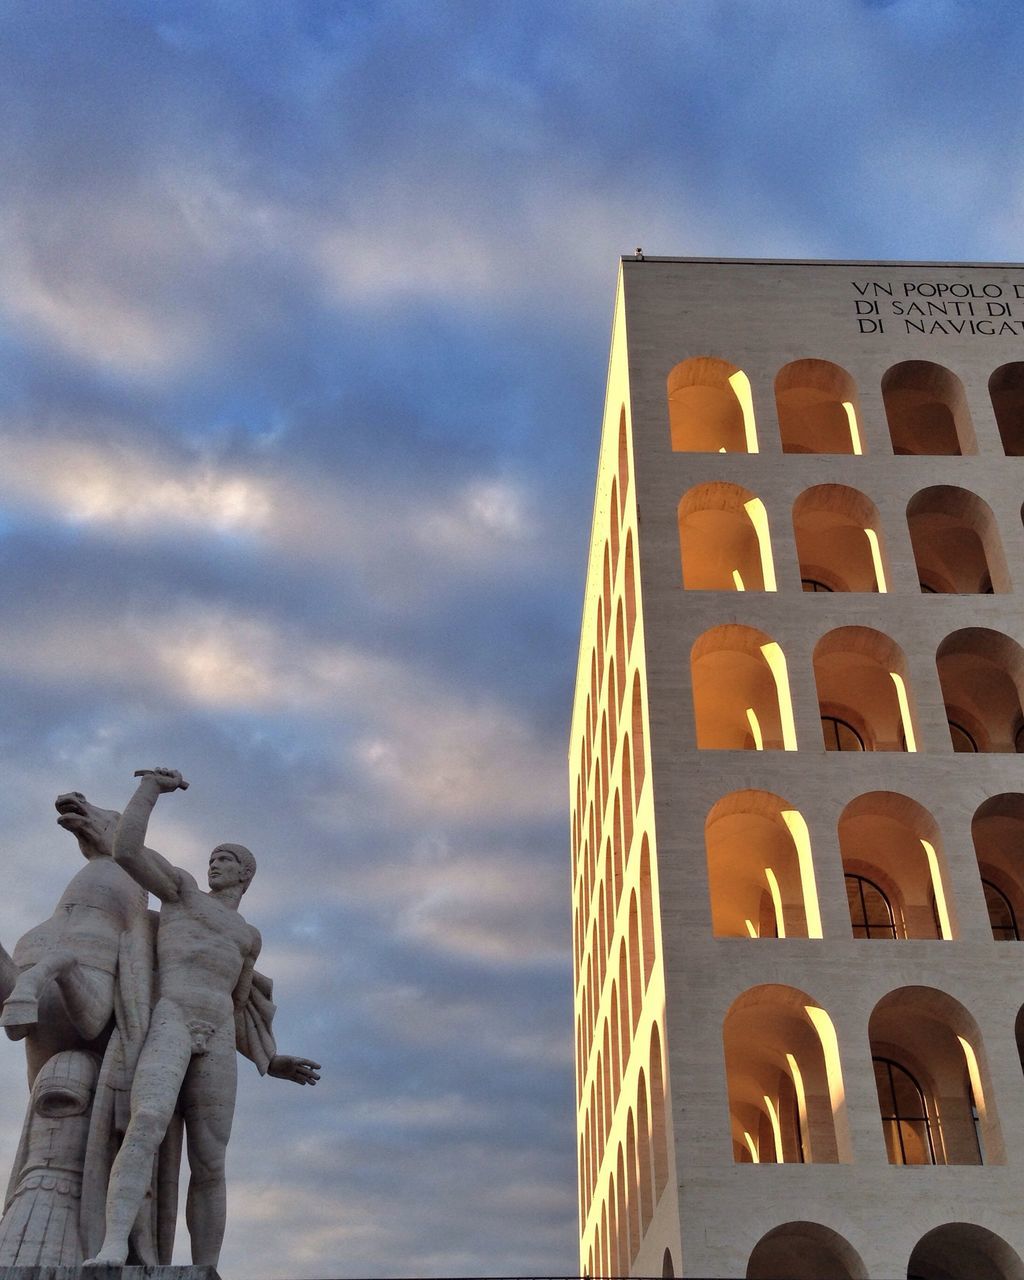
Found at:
<point>797,810</point>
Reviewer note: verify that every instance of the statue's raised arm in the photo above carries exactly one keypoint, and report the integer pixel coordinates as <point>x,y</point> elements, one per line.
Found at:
<point>145,866</point>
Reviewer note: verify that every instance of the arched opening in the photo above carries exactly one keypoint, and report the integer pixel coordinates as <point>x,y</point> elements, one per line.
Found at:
<point>998,833</point>
<point>804,1251</point>
<point>634,1188</point>
<point>659,1107</point>
<point>982,674</point>
<point>963,1251</point>
<point>629,591</point>
<point>645,1164</point>
<point>956,543</point>
<point>639,750</point>
<point>724,541</point>
<point>934,1094</point>
<point>895,868</point>
<point>646,911</point>
<point>623,462</point>
<point>839,540</point>
<point>741,696</point>
<point>667,1269</point>
<point>710,409</point>
<point>863,695</point>
<point>927,410</point>
<point>786,1096</point>
<point>622,1258</point>
<point>613,522</point>
<point>817,404</point>
<point>1006,388</point>
<point>760,869</point>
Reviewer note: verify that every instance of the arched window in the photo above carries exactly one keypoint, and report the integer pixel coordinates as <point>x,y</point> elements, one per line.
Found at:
<point>741,697</point>
<point>894,846</point>
<point>981,672</point>
<point>956,543</point>
<point>870,910</point>
<point>724,541</point>
<point>863,696</point>
<point>760,868</point>
<point>710,408</point>
<point>1006,387</point>
<point>1001,915</point>
<point>998,833</point>
<point>817,404</point>
<point>935,1093</point>
<point>908,1130</point>
<point>839,540</point>
<point>927,410</point>
<point>804,1249</point>
<point>963,1251</point>
<point>786,1092</point>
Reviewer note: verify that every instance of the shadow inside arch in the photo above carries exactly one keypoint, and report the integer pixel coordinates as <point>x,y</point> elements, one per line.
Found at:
<point>804,1251</point>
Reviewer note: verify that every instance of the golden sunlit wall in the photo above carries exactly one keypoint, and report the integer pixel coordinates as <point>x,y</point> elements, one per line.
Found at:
<point>622,1135</point>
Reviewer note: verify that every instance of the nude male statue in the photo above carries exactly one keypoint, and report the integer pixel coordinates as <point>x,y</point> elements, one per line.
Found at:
<point>206,954</point>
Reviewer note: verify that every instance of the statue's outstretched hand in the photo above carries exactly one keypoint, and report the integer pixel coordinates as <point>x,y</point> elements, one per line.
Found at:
<point>298,1070</point>
<point>165,779</point>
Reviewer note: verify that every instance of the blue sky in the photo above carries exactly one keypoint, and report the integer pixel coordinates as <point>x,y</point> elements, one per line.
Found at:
<point>304,314</point>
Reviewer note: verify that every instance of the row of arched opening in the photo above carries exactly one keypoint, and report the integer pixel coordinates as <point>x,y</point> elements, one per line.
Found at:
<point>711,408</point>
<point>725,541</point>
<point>787,1096</point>
<point>609,832</point>
<point>952,1251</point>
<point>630,975</point>
<point>741,692</point>
<point>637,1173</point>
<point>614,627</point>
<point>595,787</point>
<point>762,882</point>
<point>608,677</point>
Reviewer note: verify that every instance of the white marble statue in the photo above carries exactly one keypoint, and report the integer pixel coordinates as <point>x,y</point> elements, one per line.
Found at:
<point>42,1217</point>
<point>130,1023</point>
<point>206,955</point>
<point>59,991</point>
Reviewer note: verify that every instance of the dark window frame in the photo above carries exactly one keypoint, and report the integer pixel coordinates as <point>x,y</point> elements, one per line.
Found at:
<point>830,721</point>
<point>894,1119</point>
<point>872,929</point>
<point>1014,929</point>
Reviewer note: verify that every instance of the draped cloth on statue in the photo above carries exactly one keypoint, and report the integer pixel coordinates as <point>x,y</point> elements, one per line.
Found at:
<point>254,1036</point>
<point>152,1239</point>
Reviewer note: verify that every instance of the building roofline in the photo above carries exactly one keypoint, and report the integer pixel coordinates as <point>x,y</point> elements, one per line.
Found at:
<point>817,262</point>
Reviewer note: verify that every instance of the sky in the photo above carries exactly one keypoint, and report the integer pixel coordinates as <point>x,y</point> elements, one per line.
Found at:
<point>304,321</point>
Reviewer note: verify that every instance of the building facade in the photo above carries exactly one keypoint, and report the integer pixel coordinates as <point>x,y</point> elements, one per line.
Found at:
<point>797,806</point>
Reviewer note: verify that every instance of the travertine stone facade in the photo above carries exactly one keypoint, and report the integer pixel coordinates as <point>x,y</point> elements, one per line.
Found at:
<point>796,800</point>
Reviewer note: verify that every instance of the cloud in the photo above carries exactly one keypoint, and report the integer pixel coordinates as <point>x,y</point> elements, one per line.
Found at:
<point>492,906</point>
<point>417,745</point>
<point>133,488</point>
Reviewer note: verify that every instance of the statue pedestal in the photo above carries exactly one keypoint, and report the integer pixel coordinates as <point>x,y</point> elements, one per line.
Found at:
<point>109,1273</point>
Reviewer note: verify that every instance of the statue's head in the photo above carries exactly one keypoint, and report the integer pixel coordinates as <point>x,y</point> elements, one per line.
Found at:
<point>93,827</point>
<point>231,864</point>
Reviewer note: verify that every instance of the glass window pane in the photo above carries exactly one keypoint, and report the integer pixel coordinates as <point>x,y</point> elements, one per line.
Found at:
<point>916,1145</point>
<point>840,736</point>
